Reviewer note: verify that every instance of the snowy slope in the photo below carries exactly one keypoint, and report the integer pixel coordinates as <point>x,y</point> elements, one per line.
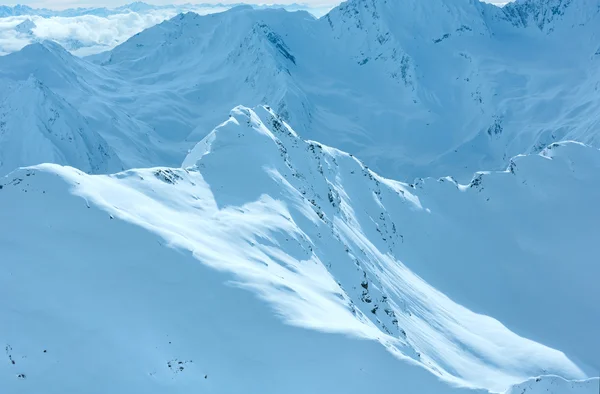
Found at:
<point>38,126</point>
<point>330,245</point>
<point>547,15</point>
<point>97,95</point>
<point>372,86</point>
<point>132,314</point>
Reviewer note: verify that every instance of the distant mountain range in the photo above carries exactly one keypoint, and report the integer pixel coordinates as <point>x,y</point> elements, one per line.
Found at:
<point>138,6</point>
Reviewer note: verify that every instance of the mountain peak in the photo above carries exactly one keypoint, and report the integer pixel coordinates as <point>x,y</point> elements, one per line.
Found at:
<point>228,133</point>
<point>44,51</point>
<point>254,155</point>
<point>546,14</point>
<point>60,68</point>
<point>409,20</point>
<point>38,126</point>
<point>25,27</point>
<point>34,91</point>
<point>32,81</point>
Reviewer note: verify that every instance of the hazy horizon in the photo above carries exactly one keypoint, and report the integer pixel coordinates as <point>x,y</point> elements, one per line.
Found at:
<point>65,4</point>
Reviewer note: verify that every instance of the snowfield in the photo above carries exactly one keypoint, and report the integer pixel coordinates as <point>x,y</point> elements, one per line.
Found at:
<point>447,244</point>
<point>319,237</point>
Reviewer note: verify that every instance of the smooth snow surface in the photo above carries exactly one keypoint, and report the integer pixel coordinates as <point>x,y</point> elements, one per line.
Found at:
<point>330,245</point>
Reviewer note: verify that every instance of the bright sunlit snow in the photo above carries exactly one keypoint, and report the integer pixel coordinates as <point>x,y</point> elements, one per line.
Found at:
<point>322,239</point>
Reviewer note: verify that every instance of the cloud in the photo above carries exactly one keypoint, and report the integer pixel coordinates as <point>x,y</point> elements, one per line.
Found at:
<point>86,34</point>
<point>95,32</point>
<point>10,39</point>
<point>89,34</point>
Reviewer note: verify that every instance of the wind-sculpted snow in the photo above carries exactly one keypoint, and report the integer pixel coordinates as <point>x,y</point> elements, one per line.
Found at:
<point>330,245</point>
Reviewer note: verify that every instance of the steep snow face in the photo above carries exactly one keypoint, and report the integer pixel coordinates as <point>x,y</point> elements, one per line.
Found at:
<point>548,14</point>
<point>329,244</point>
<point>441,214</point>
<point>99,96</point>
<point>466,92</point>
<point>541,13</point>
<point>60,68</point>
<point>198,68</point>
<point>149,317</point>
<point>409,17</point>
<point>38,126</point>
<point>160,48</point>
<point>397,43</point>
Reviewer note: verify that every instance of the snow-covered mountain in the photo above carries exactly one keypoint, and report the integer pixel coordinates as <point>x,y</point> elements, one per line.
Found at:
<point>156,253</point>
<point>375,78</point>
<point>94,93</point>
<point>87,31</point>
<point>138,7</point>
<point>25,27</point>
<point>331,246</point>
<point>36,125</point>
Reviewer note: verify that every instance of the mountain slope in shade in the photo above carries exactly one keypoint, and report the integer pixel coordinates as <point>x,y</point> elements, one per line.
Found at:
<point>548,15</point>
<point>449,97</point>
<point>455,87</point>
<point>330,245</point>
<point>38,126</point>
<point>97,95</point>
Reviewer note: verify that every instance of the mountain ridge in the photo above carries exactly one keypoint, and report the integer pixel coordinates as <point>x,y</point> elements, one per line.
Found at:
<point>137,6</point>
<point>477,111</point>
<point>324,240</point>
<point>37,126</point>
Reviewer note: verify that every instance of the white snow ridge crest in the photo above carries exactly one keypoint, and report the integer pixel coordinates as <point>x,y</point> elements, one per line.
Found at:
<point>308,228</point>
